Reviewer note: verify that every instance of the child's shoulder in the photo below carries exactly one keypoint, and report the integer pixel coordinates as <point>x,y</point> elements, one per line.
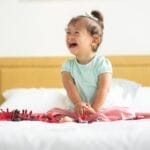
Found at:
<point>103,65</point>
<point>102,59</point>
<point>70,60</point>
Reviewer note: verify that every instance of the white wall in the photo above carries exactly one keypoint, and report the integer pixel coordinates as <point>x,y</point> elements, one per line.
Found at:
<point>36,27</point>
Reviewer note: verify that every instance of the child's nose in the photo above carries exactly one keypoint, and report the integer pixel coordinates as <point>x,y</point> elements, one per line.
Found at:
<point>71,37</point>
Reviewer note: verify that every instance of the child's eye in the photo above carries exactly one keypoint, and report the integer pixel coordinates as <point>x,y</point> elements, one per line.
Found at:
<point>77,33</point>
<point>68,32</point>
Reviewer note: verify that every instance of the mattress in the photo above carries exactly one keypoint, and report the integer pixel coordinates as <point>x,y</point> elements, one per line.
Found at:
<point>34,135</point>
<point>114,135</point>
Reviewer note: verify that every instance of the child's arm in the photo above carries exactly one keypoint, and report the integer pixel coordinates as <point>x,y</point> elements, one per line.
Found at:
<point>70,87</point>
<point>73,93</point>
<point>103,87</point>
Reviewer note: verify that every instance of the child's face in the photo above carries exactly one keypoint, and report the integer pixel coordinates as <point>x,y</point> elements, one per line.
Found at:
<point>78,39</point>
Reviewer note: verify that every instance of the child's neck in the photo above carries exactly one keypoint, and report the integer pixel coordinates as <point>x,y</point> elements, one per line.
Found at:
<point>85,59</point>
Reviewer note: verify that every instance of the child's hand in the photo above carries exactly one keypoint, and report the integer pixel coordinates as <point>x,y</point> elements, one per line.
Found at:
<point>89,110</point>
<point>82,108</point>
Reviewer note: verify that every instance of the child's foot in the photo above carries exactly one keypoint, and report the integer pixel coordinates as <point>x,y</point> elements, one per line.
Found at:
<point>66,119</point>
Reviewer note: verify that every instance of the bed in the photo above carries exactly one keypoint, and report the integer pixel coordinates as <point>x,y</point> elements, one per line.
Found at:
<point>25,79</point>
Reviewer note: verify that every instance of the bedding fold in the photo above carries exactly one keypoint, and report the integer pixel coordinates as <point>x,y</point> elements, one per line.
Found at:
<point>54,115</point>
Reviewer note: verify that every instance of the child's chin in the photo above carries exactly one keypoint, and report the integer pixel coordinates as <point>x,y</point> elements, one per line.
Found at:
<point>73,50</point>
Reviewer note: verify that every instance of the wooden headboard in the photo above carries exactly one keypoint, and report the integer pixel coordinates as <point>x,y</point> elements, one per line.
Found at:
<point>45,71</point>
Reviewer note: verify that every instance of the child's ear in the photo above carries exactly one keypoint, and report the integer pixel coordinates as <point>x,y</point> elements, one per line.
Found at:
<point>96,39</point>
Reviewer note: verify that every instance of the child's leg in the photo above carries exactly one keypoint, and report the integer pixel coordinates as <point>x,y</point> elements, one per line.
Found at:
<point>66,119</point>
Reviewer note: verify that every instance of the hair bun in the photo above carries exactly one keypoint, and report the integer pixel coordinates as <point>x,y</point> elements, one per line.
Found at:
<point>97,14</point>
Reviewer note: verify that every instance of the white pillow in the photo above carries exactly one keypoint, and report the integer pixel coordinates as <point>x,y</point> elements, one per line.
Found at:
<point>141,102</point>
<point>129,87</point>
<point>122,93</point>
<point>39,100</point>
<point>115,98</point>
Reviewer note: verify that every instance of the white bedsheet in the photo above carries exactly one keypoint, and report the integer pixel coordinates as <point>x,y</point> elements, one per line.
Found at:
<point>118,135</point>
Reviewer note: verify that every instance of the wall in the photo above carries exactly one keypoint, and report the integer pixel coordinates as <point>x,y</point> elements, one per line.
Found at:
<point>37,27</point>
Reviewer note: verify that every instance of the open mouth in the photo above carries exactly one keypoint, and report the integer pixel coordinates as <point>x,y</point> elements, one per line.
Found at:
<point>72,45</point>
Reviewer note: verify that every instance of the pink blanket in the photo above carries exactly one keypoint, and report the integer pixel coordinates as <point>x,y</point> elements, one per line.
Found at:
<point>52,116</point>
<point>108,114</point>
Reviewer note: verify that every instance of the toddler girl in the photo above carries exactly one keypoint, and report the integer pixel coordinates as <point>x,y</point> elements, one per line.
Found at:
<point>87,76</point>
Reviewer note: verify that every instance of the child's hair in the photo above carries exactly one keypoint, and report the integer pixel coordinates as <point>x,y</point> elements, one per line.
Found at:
<point>94,24</point>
